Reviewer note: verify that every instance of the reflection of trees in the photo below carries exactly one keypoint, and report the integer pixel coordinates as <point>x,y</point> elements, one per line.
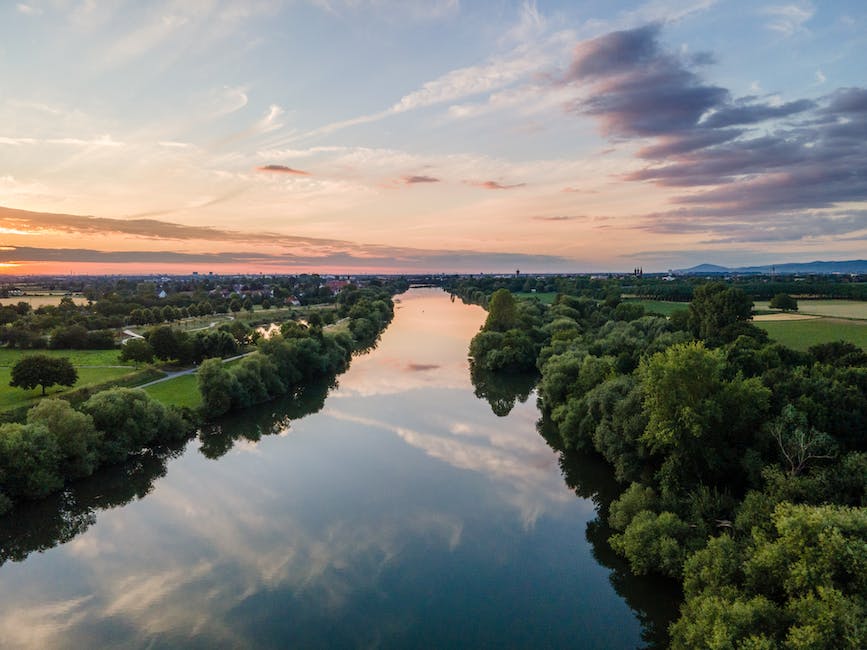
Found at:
<point>41,525</point>
<point>502,390</point>
<point>654,600</point>
<point>270,418</point>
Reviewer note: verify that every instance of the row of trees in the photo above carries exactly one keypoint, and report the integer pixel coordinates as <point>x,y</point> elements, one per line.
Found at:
<point>746,461</point>
<point>301,354</point>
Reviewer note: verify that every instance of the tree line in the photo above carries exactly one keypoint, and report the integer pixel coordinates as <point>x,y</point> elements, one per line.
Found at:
<point>744,462</point>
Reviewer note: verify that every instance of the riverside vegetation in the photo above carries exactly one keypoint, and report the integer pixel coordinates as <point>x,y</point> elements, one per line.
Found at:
<point>743,463</point>
<point>57,441</point>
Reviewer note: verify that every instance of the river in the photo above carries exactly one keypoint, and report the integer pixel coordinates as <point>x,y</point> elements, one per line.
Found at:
<point>397,509</point>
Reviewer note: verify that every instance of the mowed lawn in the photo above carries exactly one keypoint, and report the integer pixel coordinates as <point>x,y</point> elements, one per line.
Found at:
<point>8,356</point>
<point>834,308</point>
<point>801,334</point>
<point>180,391</point>
<point>15,397</point>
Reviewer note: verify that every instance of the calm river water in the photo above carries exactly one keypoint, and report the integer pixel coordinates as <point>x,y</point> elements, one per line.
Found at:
<point>403,510</point>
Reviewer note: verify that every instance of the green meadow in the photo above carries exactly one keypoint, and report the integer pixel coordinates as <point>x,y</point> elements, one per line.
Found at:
<point>16,397</point>
<point>801,334</point>
<point>180,391</point>
<point>835,308</point>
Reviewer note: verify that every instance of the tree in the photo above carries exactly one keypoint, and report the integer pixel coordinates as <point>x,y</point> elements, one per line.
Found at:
<point>165,343</point>
<point>137,351</point>
<point>41,370</point>
<point>717,308</point>
<point>217,386</point>
<point>783,301</point>
<point>799,443</point>
<point>502,311</point>
<point>74,432</point>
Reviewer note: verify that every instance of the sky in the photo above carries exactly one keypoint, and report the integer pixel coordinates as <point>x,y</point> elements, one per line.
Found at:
<point>367,136</point>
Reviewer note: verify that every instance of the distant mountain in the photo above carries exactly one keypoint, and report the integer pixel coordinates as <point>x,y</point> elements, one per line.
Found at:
<point>704,269</point>
<point>818,267</point>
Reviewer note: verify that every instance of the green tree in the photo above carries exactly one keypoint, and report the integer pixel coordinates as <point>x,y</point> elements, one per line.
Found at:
<point>502,311</point>
<point>783,301</point>
<point>137,351</point>
<point>41,370</point>
<point>716,309</point>
<point>29,460</point>
<point>74,432</point>
<point>799,583</point>
<point>217,386</point>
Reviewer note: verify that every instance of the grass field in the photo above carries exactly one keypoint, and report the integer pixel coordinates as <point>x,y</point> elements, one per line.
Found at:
<point>800,335</point>
<point>664,307</point>
<point>835,308</point>
<point>180,391</point>
<point>16,397</point>
<point>78,357</point>
<point>544,298</point>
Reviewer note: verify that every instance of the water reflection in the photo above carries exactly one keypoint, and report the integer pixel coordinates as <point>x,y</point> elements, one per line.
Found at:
<point>654,600</point>
<point>500,390</point>
<point>41,525</point>
<point>400,511</point>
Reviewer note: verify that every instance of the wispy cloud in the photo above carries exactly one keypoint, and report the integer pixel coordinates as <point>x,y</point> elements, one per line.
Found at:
<point>282,169</point>
<point>413,180</point>
<point>789,19</point>
<point>494,185</point>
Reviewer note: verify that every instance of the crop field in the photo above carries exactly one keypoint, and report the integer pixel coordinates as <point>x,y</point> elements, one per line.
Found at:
<point>801,334</point>
<point>834,308</point>
<point>180,391</point>
<point>41,300</point>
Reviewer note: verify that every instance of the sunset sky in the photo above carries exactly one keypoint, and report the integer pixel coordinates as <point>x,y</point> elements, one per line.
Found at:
<point>429,135</point>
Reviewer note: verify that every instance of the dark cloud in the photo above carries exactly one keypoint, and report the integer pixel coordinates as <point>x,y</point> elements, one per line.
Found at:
<point>789,226</point>
<point>412,180</point>
<point>494,185</point>
<point>638,89</point>
<point>282,169</point>
<point>615,53</point>
<point>670,145</point>
<point>145,228</point>
<point>753,113</point>
<point>774,183</point>
<point>557,218</point>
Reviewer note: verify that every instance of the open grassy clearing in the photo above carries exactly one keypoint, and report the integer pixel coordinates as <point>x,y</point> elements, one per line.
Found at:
<point>664,307</point>
<point>16,397</point>
<point>544,298</point>
<point>180,391</point>
<point>801,334</point>
<point>834,308</point>
<point>9,356</point>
